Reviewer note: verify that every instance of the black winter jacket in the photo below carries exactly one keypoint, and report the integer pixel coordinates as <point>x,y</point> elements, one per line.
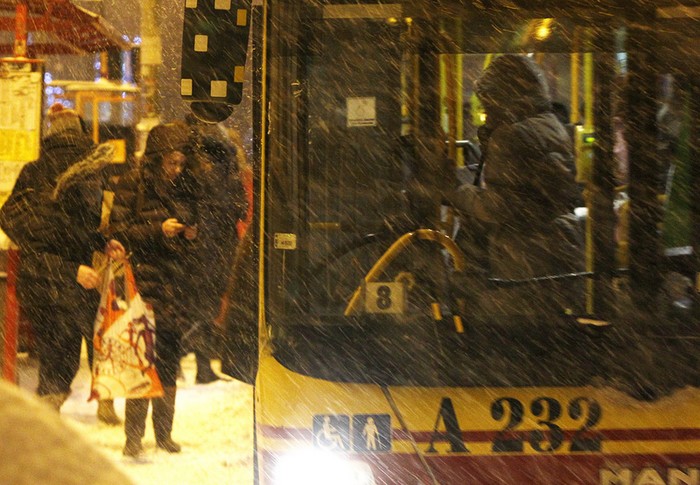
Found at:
<point>62,233</point>
<point>142,201</point>
<point>223,204</point>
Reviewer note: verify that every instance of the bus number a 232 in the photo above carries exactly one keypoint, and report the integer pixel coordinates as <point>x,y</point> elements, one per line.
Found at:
<point>546,412</point>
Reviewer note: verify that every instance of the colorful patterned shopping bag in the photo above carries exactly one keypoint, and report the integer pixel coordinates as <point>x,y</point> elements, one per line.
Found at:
<point>124,340</point>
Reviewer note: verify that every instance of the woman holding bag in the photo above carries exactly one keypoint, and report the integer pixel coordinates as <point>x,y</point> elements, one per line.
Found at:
<point>155,215</point>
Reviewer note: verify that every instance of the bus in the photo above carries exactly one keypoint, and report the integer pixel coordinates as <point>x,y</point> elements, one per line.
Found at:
<point>371,368</point>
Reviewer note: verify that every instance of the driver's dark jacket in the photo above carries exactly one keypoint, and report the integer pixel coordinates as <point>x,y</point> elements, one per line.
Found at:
<point>527,202</point>
<point>143,199</point>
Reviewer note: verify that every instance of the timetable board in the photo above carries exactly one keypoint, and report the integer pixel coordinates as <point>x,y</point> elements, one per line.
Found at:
<point>20,112</point>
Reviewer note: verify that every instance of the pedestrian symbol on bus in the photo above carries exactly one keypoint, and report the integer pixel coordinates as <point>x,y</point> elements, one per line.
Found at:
<point>371,432</point>
<point>332,432</point>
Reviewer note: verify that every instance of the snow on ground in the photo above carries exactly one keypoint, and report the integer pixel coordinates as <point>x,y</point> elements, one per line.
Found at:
<point>213,423</point>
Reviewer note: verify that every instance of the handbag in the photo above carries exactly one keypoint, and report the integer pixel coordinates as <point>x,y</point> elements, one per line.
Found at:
<point>17,214</point>
<point>124,340</point>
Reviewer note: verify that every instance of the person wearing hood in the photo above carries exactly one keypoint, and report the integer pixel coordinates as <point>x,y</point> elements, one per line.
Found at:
<point>527,193</point>
<point>155,214</point>
<point>57,237</point>
<point>223,204</point>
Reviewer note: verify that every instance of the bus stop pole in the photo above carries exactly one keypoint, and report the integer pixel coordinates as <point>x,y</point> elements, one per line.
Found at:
<point>20,45</point>
<point>11,326</point>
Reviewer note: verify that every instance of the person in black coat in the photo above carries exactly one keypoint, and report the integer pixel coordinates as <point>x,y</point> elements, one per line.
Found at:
<point>155,213</point>
<point>222,205</point>
<point>57,237</point>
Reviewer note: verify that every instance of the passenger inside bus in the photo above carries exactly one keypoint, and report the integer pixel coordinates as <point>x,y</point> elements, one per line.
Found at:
<point>527,195</point>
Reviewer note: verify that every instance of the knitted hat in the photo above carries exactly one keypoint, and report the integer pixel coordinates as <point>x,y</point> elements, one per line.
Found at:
<point>166,138</point>
<point>60,119</point>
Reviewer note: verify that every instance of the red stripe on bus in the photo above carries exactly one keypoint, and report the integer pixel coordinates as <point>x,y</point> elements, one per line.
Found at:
<point>642,434</point>
<point>284,433</point>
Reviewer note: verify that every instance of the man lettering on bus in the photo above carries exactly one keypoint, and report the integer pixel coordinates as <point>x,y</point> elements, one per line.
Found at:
<point>527,192</point>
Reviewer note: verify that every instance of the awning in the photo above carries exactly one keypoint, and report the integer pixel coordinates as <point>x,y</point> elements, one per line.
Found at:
<point>58,27</point>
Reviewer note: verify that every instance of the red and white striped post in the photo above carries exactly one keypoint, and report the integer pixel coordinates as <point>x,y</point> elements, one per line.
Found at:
<point>11,326</point>
<point>20,46</point>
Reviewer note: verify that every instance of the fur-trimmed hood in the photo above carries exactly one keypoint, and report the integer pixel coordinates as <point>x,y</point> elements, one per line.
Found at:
<point>87,170</point>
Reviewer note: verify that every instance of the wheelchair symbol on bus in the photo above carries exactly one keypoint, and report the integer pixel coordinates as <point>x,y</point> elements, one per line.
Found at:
<point>365,433</point>
<point>332,433</point>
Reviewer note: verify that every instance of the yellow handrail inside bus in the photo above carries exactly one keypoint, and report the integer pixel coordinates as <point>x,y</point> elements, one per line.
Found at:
<point>588,126</point>
<point>575,69</point>
<point>396,248</point>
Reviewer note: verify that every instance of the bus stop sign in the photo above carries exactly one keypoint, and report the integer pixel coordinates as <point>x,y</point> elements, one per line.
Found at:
<point>214,44</point>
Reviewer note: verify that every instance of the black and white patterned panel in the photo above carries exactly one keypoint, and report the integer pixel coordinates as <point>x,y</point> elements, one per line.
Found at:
<point>214,43</point>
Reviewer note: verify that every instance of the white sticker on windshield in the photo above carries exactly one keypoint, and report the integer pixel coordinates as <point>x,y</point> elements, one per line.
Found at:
<point>285,241</point>
<point>362,111</point>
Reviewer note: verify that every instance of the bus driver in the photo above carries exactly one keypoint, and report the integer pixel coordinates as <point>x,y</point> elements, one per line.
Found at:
<point>528,193</point>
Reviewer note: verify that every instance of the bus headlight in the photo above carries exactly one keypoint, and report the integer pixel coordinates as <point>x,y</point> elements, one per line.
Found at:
<point>317,467</point>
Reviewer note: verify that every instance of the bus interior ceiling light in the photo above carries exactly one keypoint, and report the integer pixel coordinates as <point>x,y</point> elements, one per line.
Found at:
<point>543,29</point>
<point>319,467</point>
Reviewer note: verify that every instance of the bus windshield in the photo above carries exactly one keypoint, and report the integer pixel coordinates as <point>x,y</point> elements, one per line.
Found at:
<point>371,273</point>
